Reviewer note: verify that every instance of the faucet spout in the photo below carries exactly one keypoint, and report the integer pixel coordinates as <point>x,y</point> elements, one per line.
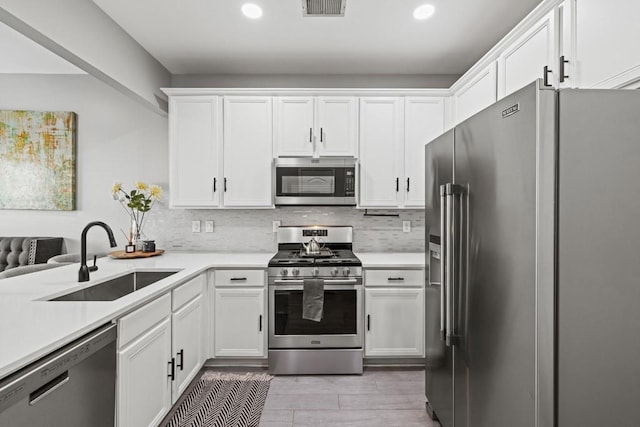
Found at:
<point>83,274</point>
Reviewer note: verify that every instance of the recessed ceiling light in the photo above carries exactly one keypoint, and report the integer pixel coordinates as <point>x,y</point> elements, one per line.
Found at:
<point>424,11</point>
<point>251,10</point>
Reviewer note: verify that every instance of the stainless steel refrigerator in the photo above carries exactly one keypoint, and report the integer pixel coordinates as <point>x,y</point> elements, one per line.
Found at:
<point>533,238</point>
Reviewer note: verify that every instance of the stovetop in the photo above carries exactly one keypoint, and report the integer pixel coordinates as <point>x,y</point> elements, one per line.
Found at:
<point>326,257</point>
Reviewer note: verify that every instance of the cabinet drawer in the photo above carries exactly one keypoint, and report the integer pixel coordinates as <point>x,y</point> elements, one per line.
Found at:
<point>398,277</point>
<point>134,324</point>
<point>240,277</point>
<point>185,293</point>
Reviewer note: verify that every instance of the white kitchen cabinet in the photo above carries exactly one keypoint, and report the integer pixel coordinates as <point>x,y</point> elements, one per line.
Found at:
<point>394,312</point>
<point>315,126</point>
<point>247,151</point>
<point>477,93</point>
<point>607,34</point>
<point>195,147</point>
<point>187,346</point>
<point>423,121</point>
<point>381,151</point>
<point>524,60</point>
<point>143,382</point>
<point>394,322</point>
<point>240,322</point>
<point>154,342</point>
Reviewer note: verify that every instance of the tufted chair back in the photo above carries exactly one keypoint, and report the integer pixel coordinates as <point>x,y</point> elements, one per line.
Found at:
<point>19,251</point>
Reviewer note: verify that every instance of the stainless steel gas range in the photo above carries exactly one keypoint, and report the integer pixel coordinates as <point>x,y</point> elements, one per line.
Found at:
<point>333,343</point>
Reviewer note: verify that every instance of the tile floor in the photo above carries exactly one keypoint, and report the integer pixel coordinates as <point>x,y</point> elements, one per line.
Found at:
<point>379,397</point>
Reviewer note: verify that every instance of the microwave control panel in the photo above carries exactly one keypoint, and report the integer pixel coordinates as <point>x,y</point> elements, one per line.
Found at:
<point>349,182</point>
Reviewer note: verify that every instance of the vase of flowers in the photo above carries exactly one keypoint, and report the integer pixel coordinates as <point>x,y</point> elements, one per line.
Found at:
<point>137,203</point>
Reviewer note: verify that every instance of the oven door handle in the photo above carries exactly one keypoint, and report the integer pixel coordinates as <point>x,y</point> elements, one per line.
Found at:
<point>332,287</point>
<point>288,281</point>
<point>340,281</point>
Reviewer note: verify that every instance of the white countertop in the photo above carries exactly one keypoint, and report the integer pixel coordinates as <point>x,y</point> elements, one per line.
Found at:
<point>31,326</point>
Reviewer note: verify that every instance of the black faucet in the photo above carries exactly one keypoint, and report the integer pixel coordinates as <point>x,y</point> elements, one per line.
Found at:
<point>83,274</point>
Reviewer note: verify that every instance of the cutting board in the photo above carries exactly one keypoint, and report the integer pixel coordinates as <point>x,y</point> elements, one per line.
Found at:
<point>136,254</point>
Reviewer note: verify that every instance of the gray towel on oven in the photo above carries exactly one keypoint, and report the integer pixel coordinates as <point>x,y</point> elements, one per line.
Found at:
<point>313,299</point>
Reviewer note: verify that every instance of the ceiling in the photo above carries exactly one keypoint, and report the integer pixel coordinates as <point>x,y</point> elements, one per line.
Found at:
<point>374,36</point>
<point>21,55</point>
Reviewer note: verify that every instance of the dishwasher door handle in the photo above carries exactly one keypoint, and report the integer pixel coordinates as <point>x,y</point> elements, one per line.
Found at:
<point>48,388</point>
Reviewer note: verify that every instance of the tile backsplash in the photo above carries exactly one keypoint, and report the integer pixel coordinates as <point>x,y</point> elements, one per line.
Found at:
<point>251,230</point>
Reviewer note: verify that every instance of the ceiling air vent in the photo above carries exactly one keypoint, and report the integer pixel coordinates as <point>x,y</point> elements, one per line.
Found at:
<point>323,7</point>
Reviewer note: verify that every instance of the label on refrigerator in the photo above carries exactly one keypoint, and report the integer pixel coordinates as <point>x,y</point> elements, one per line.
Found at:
<point>510,111</point>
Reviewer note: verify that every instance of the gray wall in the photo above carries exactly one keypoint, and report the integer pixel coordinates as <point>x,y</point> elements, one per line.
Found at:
<point>119,139</point>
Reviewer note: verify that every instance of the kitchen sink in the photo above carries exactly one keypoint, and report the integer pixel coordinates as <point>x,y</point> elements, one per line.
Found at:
<point>118,287</point>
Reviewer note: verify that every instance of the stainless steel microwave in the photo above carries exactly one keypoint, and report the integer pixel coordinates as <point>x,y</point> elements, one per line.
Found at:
<point>304,181</point>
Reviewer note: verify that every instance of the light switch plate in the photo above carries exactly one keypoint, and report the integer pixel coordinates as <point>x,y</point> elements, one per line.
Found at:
<point>208,226</point>
<point>276,224</point>
<point>406,226</point>
<point>195,226</point>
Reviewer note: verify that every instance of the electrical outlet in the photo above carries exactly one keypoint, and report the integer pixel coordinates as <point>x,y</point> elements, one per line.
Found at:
<point>195,226</point>
<point>275,225</point>
<point>208,226</point>
<point>406,226</point>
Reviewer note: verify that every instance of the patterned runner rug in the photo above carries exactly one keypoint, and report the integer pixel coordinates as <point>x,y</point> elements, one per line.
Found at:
<point>223,400</point>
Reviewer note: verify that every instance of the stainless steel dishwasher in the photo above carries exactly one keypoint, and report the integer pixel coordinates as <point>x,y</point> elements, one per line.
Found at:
<point>73,386</point>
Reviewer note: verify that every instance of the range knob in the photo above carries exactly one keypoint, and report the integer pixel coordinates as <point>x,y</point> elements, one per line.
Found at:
<point>295,271</point>
<point>315,271</point>
<point>284,272</point>
<point>346,271</point>
<point>334,271</point>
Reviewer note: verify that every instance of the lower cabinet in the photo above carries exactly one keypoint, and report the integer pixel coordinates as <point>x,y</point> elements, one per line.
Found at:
<point>160,350</point>
<point>394,313</point>
<point>240,323</point>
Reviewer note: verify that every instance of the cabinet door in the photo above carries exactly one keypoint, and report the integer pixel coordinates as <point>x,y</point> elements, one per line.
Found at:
<point>144,387</point>
<point>247,152</point>
<point>294,126</point>
<point>187,324</point>
<point>239,323</point>
<point>423,121</point>
<point>195,129</point>
<point>607,34</point>
<point>523,61</point>
<point>336,126</point>
<point>394,322</point>
<point>381,151</point>
<point>476,95</point>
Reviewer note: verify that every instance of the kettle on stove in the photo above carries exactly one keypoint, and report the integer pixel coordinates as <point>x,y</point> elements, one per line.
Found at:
<point>312,247</point>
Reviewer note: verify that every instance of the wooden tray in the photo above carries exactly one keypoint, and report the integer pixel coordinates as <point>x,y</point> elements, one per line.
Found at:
<point>136,254</point>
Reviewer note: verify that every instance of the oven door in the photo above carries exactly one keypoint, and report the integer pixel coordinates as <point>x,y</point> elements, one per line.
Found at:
<point>341,324</point>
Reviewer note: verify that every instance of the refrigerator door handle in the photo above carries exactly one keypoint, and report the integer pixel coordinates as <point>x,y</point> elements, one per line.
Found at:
<point>453,210</point>
<point>443,261</point>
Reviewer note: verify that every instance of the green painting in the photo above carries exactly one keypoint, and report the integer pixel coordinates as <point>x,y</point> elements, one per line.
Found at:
<point>37,160</point>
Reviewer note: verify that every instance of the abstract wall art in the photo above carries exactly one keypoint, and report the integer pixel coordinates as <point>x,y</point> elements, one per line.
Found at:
<point>37,160</point>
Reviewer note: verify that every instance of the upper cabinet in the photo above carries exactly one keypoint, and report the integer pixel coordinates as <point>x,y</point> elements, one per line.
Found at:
<point>215,164</point>
<point>247,151</point>
<point>195,140</point>
<point>606,38</point>
<point>477,93</point>
<point>531,56</point>
<point>315,126</point>
<point>393,133</point>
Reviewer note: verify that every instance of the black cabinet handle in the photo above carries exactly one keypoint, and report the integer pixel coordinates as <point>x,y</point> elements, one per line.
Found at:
<point>321,135</point>
<point>408,184</point>
<point>395,279</point>
<point>397,184</point>
<point>563,76</point>
<point>545,73</point>
<point>260,323</point>
<point>172,370</point>
<point>181,363</point>
<point>368,322</point>
<point>215,184</point>
<point>225,184</point>
<point>238,279</point>
<point>310,134</point>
